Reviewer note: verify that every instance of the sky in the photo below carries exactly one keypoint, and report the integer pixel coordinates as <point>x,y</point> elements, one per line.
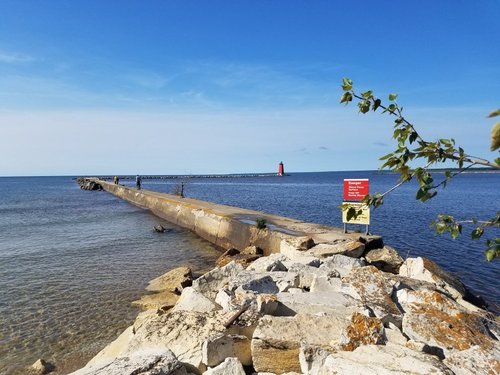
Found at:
<point>193,87</point>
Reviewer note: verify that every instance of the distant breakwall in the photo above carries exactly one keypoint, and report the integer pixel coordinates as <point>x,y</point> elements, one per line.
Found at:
<point>227,226</point>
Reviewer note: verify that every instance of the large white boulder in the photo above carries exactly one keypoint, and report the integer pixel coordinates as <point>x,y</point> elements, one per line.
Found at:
<point>331,303</point>
<point>276,340</point>
<point>144,362</point>
<point>475,360</point>
<point>273,262</point>
<point>231,366</point>
<point>192,300</point>
<point>342,264</point>
<point>210,283</point>
<point>389,359</point>
<point>219,347</point>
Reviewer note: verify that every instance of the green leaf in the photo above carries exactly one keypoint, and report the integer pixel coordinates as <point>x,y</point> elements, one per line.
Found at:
<point>490,255</point>
<point>346,97</point>
<point>367,94</point>
<point>494,113</point>
<point>421,193</point>
<point>376,104</point>
<point>386,156</point>
<point>346,84</point>
<point>495,136</point>
<point>497,161</point>
<point>364,106</point>
<point>477,233</point>
<point>393,97</point>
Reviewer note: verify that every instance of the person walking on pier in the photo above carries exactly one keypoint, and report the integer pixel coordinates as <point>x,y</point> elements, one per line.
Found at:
<point>138,182</point>
<point>116,180</point>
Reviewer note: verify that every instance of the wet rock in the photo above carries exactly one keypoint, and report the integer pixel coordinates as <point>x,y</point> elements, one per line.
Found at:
<point>210,283</point>
<point>387,359</point>
<point>231,366</point>
<point>41,367</point>
<point>173,281</point>
<point>440,322</point>
<point>217,348</point>
<point>163,300</point>
<point>192,300</point>
<point>386,259</point>
<point>362,330</point>
<point>276,340</point>
<point>147,362</point>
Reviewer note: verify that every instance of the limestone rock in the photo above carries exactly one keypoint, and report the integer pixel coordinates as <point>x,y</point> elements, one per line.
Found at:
<point>276,340</point>
<point>342,264</point>
<point>210,283</point>
<point>475,360</point>
<point>326,284</point>
<point>41,367</point>
<point>173,281</point>
<point>162,300</point>
<point>235,255</point>
<point>426,270</point>
<point>362,330</point>
<point>146,362</point>
<point>440,322</point>
<point>252,250</point>
<point>272,262</point>
<point>386,259</point>
<point>394,335</point>
<point>312,358</point>
<point>389,359</point>
<point>192,300</point>
<point>264,282</point>
<point>231,366</point>
<point>306,273</point>
<point>374,289</point>
<point>348,248</point>
<point>331,303</point>
<point>217,348</point>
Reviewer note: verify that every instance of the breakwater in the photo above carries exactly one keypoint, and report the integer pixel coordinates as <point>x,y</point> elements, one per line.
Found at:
<point>325,303</point>
<point>227,226</point>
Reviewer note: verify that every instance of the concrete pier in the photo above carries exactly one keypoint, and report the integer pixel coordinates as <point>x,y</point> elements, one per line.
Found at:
<point>231,227</point>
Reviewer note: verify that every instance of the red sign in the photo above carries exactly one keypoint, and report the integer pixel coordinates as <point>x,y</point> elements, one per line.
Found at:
<point>356,189</point>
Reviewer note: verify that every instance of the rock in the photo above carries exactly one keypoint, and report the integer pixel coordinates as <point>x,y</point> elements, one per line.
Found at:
<point>374,289</point>
<point>270,263</point>
<point>348,248</point>
<point>475,360</point>
<point>342,264</point>
<point>41,367</point>
<point>331,303</point>
<point>293,247</point>
<point>217,348</point>
<point>243,259</point>
<point>146,362</point>
<point>307,273</point>
<point>426,270</point>
<point>389,359</point>
<point>326,284</point>
<point>394,335</point>
<point>363,330</point>
<point>386,259</point>
<point>231,366</point>
<point>312,358</point>
<point>173,281</point>
<point>210,283</point>
<point>163,300</point>
<point>440,322</point>
<point>276,340</point>
<point>192,300</point>
<point>253,250</point>
<point>264,282</point>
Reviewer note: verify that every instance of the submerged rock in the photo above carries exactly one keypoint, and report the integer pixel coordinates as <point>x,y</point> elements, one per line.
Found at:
<point>41,367</point>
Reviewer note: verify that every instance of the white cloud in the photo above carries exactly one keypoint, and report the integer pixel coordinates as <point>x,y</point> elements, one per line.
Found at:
<point>14,58</point>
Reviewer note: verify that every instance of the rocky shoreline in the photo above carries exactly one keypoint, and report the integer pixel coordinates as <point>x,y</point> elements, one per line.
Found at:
<point>327,308</point>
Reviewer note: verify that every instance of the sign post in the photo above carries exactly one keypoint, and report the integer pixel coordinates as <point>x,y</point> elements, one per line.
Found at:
<point>354,192</point>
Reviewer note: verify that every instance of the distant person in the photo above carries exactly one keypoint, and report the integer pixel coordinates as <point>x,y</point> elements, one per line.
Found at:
<point>116,180</point>
<point>138,182</point>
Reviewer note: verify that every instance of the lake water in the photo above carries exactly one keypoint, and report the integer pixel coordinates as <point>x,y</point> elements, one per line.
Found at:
<point>71,261</point>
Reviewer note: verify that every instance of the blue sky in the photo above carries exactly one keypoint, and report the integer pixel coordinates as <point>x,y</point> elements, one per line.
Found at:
<point>176,87</point>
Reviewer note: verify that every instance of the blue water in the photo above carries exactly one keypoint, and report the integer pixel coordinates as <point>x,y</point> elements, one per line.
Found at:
<point>71,261</point>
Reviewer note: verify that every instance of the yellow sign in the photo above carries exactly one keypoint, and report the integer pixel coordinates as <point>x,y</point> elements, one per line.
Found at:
<point>362,210</point>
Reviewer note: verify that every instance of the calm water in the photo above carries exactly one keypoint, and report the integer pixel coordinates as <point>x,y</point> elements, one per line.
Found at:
<point>71,261</point>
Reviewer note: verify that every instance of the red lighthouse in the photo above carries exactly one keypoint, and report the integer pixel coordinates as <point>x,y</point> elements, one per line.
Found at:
<point>281,169</point>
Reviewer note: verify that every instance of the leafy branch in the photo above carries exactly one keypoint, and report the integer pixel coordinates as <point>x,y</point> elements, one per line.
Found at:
<point>411,146</point>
